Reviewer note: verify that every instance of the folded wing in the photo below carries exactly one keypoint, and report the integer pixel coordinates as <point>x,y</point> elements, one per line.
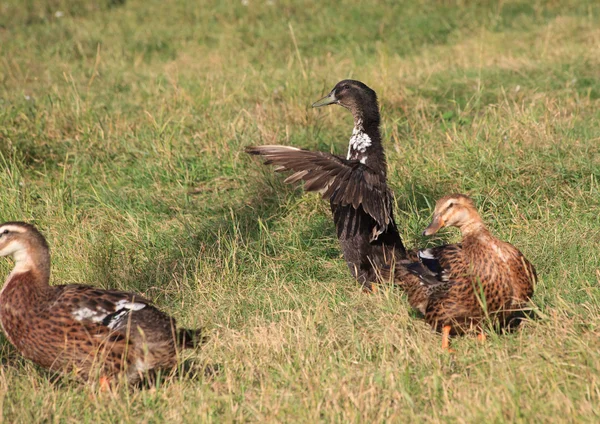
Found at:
<point>435,267</point>
<point>104,308</point>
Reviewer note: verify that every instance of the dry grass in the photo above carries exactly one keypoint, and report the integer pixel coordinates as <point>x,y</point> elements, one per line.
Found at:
<point>121,133</point>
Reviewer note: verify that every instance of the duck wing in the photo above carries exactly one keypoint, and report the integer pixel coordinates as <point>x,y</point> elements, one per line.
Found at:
<point>523,276</point>
<point>98,308</point>
<point>436,267</point>
<point>342,181</point>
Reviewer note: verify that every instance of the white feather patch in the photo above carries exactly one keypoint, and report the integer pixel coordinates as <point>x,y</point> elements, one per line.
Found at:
<point>100,314</point>
<point>126,304</point>
<point>89,314</point>
<point>359,142</point>
<point>279,147</point>
<point>117,319</point>
<point>426,254</point>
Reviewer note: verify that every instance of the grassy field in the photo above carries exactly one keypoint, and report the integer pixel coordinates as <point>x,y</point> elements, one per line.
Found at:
<point>122,127</point>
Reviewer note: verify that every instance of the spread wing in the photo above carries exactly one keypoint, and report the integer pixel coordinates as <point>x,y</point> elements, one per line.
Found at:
<point>106,308</point>
<point>343,182</point>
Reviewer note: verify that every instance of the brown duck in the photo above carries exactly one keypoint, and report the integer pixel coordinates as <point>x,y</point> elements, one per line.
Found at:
<point>80,329</point>
<point>456,286</point>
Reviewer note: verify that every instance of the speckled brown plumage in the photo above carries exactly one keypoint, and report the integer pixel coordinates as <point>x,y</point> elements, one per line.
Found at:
<point>458,285</point>
<point>80,329</point>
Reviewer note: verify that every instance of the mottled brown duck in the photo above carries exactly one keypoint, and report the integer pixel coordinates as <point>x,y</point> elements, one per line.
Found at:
<point>356,186</point>
<point>78,329</point>
<point>457,286</point>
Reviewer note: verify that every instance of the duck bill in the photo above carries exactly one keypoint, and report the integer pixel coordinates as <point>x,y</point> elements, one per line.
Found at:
<point>435,226</point>
<point>327,100</point>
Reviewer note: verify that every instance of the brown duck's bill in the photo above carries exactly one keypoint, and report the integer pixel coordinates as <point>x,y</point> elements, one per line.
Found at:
<point>435,226</point>
<point>327,100</point>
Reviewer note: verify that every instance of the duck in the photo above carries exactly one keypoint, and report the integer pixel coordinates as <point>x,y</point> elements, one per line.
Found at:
<point>356,185</point>
<point>78,329</point>
<point>458,286</point>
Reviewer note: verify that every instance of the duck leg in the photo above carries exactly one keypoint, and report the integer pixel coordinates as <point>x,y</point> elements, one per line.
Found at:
<point>446,338</point>
<point>370,288</point>
<point>104,384</point>
<point>481,337</point>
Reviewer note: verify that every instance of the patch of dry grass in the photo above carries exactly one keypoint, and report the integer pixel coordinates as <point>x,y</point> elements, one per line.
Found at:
<point>122,126</point>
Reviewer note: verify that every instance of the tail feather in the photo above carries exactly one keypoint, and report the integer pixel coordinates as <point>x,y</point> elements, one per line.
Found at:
<point>190,338</point>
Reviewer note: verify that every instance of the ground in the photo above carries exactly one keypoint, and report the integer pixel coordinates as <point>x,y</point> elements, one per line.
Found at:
<point>122,128</point>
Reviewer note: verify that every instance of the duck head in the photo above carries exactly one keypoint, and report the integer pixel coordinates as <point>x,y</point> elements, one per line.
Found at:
<point>455,210</point>
<point>355,96</point>
<point>26,245</point>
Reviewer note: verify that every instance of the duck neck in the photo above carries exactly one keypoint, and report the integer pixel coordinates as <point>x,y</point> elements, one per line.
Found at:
<point>474,230</point>
<point>31,271</point>
<point>365,142</point>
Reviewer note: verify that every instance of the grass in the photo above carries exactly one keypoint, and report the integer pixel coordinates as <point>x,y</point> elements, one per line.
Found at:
<point>122,126</point>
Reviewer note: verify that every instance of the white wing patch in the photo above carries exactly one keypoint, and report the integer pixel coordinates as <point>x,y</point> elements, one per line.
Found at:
<point>116,319</point>
<point>126,304</point>
<point>426,254</point>
<point>90,314</point>
<point>122,307</point>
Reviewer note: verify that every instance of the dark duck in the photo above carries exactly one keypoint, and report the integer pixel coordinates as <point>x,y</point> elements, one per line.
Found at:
<point>356,186</point>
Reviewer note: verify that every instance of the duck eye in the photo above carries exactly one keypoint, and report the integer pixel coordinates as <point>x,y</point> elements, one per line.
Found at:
<point>449,207</point>
<point>346,87</point>
<point>5,232</point>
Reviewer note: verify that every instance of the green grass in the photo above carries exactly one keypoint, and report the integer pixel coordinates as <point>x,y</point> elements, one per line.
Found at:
<point>122,127</point>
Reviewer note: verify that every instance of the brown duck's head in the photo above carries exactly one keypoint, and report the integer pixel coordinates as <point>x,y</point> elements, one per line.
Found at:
<point>25,244</point>
<point>455,210</point>
<point>354,96</point>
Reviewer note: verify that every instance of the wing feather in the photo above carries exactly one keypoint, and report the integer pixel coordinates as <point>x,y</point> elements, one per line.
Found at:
<point>343,182</point>
<point>108,308</point>
<point>435,267</point>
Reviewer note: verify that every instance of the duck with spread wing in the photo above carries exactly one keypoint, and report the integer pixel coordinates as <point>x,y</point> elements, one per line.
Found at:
<point>356,186</point>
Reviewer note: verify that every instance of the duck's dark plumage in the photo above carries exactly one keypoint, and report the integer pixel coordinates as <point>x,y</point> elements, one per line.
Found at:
<point>356,186</point>
<point>344,182</point>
